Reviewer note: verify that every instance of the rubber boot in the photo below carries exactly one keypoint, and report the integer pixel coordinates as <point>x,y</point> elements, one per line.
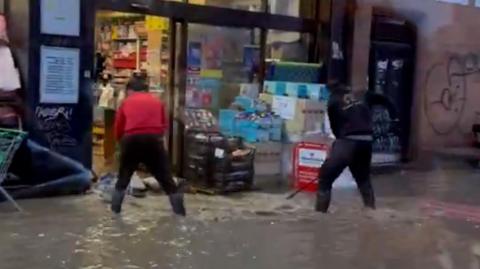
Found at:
<point>177,203</point>
<point>323,201</point>
<point>368,196</point>
<point>117,200</point>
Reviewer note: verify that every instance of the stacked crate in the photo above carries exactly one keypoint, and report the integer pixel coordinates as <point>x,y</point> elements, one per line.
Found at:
<point>211,162</point>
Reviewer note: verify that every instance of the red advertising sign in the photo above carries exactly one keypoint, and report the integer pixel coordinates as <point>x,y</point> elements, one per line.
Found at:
<point>308,159</point>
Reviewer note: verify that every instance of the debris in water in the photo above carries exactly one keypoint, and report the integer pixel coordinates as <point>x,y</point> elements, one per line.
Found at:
<point>41,235</point>
<point>115,235</point>
<point>98,266</point>
<point>232,254</point>
<point>142,229</point>
<point>266,213</point>
<point>476,249</point>
<point>131,266</point>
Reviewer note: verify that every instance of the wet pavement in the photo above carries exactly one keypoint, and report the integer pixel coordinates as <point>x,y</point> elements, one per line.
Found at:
<point>426,219</point>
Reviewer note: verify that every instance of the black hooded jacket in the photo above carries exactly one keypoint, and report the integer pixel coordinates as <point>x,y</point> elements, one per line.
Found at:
<point>350,113</point>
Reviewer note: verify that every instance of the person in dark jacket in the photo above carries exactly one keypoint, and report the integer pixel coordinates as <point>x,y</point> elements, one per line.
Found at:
<point>351,123</point>
<point>140,124</point>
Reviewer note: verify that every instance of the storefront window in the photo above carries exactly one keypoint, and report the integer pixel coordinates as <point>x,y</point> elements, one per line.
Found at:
<point>219,61</point>
<point>294,8</point>
<point>250,5</point>
<point>287,46</point>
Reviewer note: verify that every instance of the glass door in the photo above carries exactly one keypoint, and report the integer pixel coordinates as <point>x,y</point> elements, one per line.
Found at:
<point>213,65</point>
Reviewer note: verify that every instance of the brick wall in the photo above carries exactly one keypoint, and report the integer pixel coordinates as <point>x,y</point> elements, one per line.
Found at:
<point>447,78</point>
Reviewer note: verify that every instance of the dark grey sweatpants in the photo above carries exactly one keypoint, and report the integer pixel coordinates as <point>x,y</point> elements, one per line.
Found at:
<point>354,154</point>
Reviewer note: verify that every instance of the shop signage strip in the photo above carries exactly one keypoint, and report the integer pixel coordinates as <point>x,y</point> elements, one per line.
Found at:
<point>212,15</point>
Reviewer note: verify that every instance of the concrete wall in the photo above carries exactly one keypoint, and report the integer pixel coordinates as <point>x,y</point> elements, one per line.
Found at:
<point>447,79</point>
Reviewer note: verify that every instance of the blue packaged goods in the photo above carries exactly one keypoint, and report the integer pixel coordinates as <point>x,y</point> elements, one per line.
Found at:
<point>313,91</point>
<point>253,135</point>
<point>240,125</point>
<point>276,134</point>
<point>294,72</point>
<point>299,90</point>
<point>318,92</point>
<point>263,123</point>
<point>261,107</point>
<point>325,94</point>
<point>275,87</point>
<point>227,121</point>
<point>244,102</point>
<point>277,122</point>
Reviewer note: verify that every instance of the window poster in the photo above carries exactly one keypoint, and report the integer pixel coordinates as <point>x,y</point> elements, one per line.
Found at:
<point>59,75</point>
<point>60,17</point>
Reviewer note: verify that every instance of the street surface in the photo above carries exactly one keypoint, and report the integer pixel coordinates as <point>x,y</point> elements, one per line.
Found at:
<point>425,219</point>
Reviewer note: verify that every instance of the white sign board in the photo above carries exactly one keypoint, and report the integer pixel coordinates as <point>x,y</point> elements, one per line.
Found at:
<point>59,75</point>
<point>460,2</point>
<point>284,107</point>
<point>312,158</point>
<point>60,17</point>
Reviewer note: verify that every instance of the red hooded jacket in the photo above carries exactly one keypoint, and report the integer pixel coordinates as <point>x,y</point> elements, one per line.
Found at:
<point>140,113</point>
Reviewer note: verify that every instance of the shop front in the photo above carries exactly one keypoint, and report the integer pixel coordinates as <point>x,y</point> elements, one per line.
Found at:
<point>212,57</point>
<point>200,58</point>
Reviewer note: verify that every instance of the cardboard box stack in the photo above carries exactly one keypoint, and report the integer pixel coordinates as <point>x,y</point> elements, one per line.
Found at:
<point>292,106</point>
<point>303,105</point>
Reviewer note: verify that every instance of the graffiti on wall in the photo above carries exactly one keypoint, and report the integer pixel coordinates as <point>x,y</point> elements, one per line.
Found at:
<point>446,94</point>
<point>55,123</point>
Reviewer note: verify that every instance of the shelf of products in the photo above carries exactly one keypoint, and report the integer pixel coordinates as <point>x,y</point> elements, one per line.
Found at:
<point>126,44</point>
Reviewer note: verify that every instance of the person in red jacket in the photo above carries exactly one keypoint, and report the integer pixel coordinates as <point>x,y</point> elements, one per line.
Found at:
<point>140,124</point>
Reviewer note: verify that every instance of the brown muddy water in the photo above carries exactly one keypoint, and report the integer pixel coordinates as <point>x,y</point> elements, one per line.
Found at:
<point>428,219</point>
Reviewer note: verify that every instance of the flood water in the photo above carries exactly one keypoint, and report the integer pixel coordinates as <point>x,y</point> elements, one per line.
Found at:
<point>425,219</point>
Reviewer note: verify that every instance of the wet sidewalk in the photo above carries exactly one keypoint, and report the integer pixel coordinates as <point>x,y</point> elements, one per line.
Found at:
<point>426,219</point>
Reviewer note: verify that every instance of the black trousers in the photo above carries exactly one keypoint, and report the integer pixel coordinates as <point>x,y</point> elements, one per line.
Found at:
<point>354,154</point>
<point>148,150</point>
